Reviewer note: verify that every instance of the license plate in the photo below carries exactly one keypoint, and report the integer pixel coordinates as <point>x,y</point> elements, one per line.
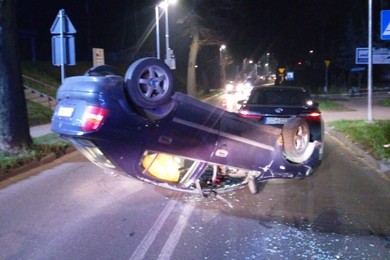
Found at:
<point>65,111</point>
<point>276,120</point>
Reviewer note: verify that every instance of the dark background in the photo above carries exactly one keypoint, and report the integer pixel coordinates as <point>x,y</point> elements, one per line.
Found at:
<point>286,28</point>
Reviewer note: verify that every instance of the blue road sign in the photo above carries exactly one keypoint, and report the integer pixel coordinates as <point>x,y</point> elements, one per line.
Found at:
<point>62,24</point>
<point>385,25</point>
<point>68,50</point>
<point>361,56</point>
<point>62,43</point>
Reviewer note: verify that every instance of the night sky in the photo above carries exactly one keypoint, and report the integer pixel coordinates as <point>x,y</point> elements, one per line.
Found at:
<point>287,28</point>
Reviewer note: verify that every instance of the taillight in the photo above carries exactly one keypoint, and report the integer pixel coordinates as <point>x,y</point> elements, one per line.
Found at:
<point>249,114</point>
<point>313,116</point>
<point>223,103</point>
<point>93,118</point>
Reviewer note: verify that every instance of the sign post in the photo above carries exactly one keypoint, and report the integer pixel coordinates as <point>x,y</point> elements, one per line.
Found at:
<point>63,46</point>
<point>369,71</point>
<point>327,63</point>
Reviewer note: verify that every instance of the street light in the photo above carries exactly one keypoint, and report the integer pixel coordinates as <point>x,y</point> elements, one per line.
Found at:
<point>157,31</point>
<point>222,64</point>
<point>266,69</point>
<point>168,52</point>
<point>267,64</point>
<point>223,46</point>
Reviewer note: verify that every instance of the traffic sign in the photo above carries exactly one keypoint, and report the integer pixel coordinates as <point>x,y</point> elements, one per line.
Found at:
<point>62,24</point>
<point>379,56</point>
<point>98,56</point>
<point>385,25</point>
<point>62,43</point>
<point>66,55</point>
<point>361,56</point>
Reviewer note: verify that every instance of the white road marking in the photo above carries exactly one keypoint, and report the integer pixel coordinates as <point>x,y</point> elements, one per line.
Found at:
<point>175,235</point>
<point>148,240</point>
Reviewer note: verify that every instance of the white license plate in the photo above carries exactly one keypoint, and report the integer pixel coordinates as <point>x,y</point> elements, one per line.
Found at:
<point>276,120</point>
<point>65,111</point>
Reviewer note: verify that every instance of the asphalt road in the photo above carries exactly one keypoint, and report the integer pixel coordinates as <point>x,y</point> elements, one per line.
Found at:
<point>71,209</point>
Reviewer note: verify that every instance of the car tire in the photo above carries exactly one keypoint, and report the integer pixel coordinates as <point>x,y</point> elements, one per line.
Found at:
<point>149,82</point>
<point>296,138</point>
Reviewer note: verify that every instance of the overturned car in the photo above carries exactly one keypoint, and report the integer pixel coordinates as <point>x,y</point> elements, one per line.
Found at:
<point>137,125</point>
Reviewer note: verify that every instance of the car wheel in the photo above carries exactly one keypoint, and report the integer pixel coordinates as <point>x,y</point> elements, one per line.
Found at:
<point>296,137</point>
<point>149,82</point>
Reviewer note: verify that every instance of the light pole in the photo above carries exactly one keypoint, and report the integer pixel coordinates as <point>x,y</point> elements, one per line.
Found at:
<point>157,31</point>
<point>222,64</point>
<point>168,52</point>
<point>167,55</point>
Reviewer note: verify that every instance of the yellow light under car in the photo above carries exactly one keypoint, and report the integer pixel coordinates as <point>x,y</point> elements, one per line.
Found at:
<point>162,166</point>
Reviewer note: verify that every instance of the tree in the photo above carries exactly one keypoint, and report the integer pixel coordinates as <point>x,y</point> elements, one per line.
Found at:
<point>14,127</point>
<point>192,57</point>
<point>205,27</point>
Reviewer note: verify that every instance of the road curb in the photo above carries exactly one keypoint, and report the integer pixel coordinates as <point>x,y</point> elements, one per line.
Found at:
<point>36,163</point>
<point>381,165</point>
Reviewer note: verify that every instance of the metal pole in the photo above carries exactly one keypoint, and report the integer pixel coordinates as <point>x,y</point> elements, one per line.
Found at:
<point>168,58</point>
<point>157,32</point>
<point>326,80</point>
<point>220,68</point>
<point>222,65</point>
<point>369,76</point>
<point>62,13</point>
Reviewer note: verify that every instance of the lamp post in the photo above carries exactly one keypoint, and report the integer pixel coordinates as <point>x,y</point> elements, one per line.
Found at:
<point>222,64</point>
<point>167,54</point>
<point>267,64</point>
<point>157,31</point>
<point>169,60</point>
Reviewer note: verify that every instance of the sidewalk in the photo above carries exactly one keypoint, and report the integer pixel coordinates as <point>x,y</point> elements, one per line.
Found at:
<point>357,109</point>
<point>40,130</point>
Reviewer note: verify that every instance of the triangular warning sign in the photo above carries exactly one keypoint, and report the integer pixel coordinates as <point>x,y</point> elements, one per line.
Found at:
<point>385,25</point>
<point>62,19</point>
<point>387,30</point>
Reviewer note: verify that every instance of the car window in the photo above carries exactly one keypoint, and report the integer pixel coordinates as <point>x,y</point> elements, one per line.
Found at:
<point>279,97</point>
<point>165,167</point>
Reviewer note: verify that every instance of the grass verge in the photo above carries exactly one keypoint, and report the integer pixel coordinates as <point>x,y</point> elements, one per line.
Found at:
<point>330,105</point>
<point>384,102</point>
<point>38,114</point>
<point>370,136</point>
<point>42,146</point>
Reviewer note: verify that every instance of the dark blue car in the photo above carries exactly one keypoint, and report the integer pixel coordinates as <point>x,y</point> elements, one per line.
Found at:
<point>136,125</point>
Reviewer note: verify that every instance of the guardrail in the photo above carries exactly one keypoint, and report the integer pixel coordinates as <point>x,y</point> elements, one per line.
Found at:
<point>46,88</point>
<point>38,96</point>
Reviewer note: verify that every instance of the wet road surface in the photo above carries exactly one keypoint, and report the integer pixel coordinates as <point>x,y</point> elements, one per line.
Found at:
<point>71,209</point>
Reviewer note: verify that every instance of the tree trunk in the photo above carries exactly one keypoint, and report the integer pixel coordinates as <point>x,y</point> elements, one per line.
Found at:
<point>191,70</point>
<point>14,127</point>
